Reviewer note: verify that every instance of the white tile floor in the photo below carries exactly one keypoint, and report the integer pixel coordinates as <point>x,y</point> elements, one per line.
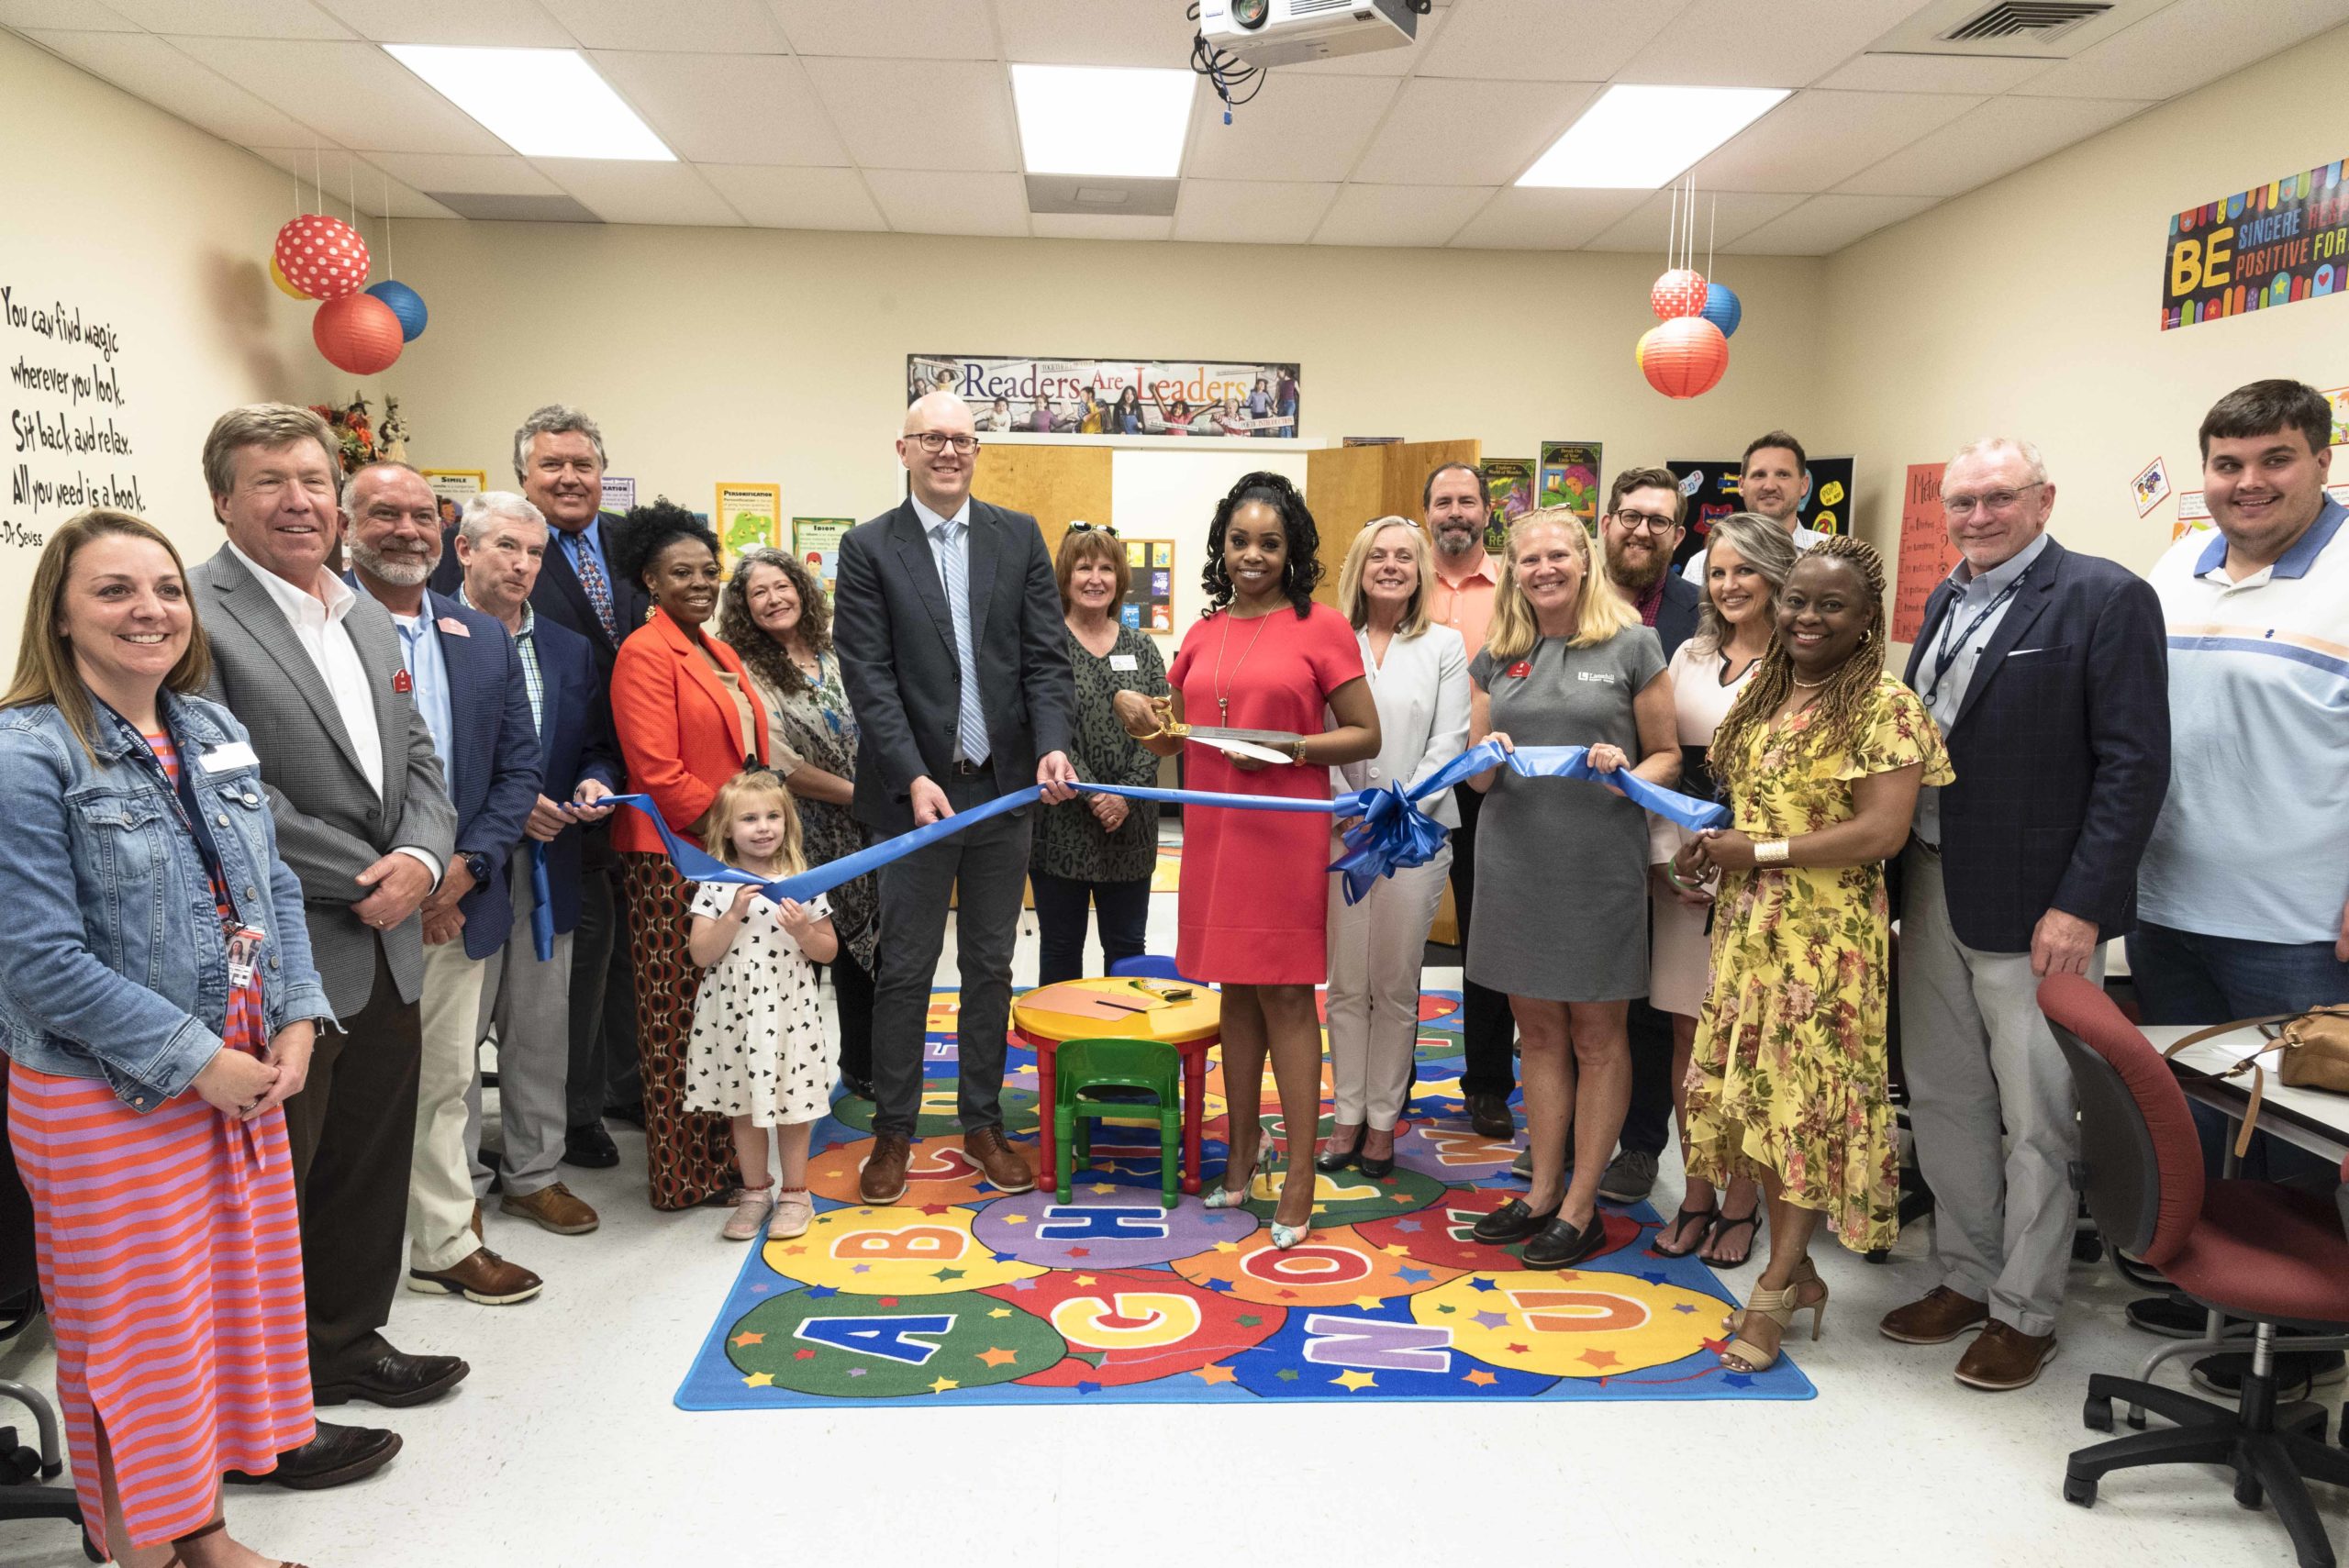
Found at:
<point>562,1448</point>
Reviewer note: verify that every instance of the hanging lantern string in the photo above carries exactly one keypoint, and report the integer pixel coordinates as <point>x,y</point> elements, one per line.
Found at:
<point>1712,225</point>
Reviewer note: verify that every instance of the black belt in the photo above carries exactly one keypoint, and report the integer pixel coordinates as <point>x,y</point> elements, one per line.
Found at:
<point>969,769</point>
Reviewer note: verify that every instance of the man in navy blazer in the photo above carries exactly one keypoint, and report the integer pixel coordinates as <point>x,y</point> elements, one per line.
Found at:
<point>2048,673</point>
<point>467,682</point>
<point>501,545</point>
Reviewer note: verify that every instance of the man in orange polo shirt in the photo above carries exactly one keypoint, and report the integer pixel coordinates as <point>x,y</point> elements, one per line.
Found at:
<point>1457,506</point>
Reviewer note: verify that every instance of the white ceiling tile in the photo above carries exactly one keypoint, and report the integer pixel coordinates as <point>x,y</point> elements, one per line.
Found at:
<point>481,24</point>
<point>1251,211</point>
<point>1720,220</point>
<point>1378,63</point>
<point>1304,128</point>
<point>1997,138</point>
<point>146,67</point>
<point>627,191</point>
<point>919,114</point>
<point>1815,140</point>
<point>2186,45</point>
<point>728,108</point>
<point>1546,220</point>
<point>233,18</point>
<point>1447,132</point>
<point>897,29</point>
<point>1931,73</point>
<point>350,181</point>
<point>497,175</point>
<point>353,93</point>
<point>917,201</point>
<point>1399,215</point>
<point>772,197</point>
<point>1094,225</point>
<point>1093,32</point>
<point>82,15</point>
<point>1825,224</point>
<point>710,26</point>
<point>1542,41</point>
<point>1787,43</point>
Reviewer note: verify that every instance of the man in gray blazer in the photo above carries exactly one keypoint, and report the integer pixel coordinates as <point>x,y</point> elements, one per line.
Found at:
<point>314,672</point>
<point>947,619</point>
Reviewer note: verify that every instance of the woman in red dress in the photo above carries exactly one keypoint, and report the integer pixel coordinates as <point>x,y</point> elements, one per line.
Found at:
<point>1255,884</point>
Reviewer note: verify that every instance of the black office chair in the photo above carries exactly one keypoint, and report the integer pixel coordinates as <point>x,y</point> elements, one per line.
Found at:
<point>21,1496</point>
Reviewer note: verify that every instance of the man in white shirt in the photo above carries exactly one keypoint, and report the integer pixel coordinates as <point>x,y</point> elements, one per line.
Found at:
<point>313,671</point>
<point>1774,480</point>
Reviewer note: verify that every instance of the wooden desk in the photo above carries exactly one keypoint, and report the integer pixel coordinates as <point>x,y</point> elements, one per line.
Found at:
<point>1120,1009</point>
<point>2311,1118</point>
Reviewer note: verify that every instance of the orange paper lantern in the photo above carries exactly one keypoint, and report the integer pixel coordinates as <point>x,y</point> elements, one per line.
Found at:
<point>1684,358</point>
<point>1680,292</point>
<point>358,333</point>
<point>322,256</point>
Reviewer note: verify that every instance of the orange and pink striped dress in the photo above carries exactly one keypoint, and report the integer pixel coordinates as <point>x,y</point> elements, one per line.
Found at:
<point>170,1262</point>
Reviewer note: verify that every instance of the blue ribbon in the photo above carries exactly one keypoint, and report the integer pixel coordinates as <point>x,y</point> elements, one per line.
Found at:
<point>542,904</point>
<point>1391,834</point>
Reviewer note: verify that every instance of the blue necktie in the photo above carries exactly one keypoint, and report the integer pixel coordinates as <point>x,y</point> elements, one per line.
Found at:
<point>971,727</point>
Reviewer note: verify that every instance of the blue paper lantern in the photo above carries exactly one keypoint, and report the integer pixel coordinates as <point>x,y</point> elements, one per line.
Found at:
<point>1723,309</point>
<point>407,304</point>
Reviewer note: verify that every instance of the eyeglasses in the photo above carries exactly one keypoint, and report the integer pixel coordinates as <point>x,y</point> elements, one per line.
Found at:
<point>936,441</point>
<point>1093,529</point>
<point>1989,500</point>
<point>1645,522</point>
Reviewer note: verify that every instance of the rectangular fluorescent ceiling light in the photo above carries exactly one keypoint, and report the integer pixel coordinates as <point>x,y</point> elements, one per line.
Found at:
<point>1637,138</point>
<point>1093,119</point>
<point>543,103</point>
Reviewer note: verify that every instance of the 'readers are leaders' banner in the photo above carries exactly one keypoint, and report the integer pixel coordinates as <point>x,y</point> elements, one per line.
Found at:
<point>2274,244</point>
<point>1114,397</point>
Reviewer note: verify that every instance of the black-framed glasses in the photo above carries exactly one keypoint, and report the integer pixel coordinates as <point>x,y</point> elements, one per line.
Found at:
<point>936,441</point>
<point>1093,529</point>
<point>1645,522</point>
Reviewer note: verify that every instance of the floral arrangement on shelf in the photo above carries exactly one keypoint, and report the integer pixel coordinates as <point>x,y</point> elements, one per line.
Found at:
<point>354,435</point>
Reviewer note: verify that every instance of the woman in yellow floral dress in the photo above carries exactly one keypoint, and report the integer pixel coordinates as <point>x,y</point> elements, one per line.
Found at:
<point>1823,753</point>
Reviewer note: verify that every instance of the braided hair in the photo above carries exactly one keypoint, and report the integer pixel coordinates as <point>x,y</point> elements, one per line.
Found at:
<point>1300,560</point>
<point>1840,712</point>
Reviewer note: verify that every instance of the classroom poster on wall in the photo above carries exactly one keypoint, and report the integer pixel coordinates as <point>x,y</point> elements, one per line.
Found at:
<point>2151,487</point>
<point>68,451</point>
<point>1568,477</point>
<point>1509,482</point>
<point>2275,244</point>
<point>817,542</point>
<point>1150,588</point>
<point>619,494</point>
<point>1711,487</point>
<point>451,489</point>
<point>748,515</point>
<point>1926,554</point>
<point>1188,398</point>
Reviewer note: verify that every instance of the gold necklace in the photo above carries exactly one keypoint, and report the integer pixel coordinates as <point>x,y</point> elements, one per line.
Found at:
<point>1222,690</point>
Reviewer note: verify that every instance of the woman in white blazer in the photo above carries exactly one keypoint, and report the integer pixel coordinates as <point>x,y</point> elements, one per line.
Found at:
<point>1419,674</point>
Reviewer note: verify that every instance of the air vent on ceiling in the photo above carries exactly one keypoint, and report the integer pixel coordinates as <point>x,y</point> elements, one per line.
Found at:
<point>486,206</point>
<point>2041,21</point>
<point>1102,196</point>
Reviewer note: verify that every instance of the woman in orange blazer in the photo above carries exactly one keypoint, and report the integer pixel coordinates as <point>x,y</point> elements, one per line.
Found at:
<point>687,721</point>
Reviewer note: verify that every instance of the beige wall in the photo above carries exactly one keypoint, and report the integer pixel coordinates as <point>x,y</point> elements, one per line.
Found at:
<point>163,232</point>
<point>2031,308</point>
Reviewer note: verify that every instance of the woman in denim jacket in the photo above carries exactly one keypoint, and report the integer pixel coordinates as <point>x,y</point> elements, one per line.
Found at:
<point>157,1009</point>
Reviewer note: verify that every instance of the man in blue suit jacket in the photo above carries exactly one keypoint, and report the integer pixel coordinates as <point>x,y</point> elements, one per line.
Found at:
<point>467,681</point>
<point>501,545</point>
<point>2047,672</point>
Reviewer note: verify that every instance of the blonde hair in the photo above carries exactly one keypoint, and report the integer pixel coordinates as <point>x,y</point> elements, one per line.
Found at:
<point>717,825</point>
<point>1354,604</point>
<point>1600,614</point>
<point>46,671</point>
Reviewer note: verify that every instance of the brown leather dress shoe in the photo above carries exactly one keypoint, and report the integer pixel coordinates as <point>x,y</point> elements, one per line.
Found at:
<point>1488,1115</point>
<point>554,1207</point>
<point>883,1180</point>
<point>481,1275</point>
<point>1001,1163</point>
<point>1936,1317</point>
<point>2003,1357</point>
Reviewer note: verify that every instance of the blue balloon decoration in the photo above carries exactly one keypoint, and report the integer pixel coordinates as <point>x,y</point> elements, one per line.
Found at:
<point>407,304</point>
<point>1722,308</point>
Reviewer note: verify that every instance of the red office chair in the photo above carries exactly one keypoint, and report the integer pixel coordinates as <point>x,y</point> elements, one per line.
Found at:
<point>2252,1250</point>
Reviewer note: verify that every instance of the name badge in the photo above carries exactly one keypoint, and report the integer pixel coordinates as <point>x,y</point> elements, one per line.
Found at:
<point>244,951</point>
<point>1124,661</point>
<point>1519,670</point>
<point>229,756</point>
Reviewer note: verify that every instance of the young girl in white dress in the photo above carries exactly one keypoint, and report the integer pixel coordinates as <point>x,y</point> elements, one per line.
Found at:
<point>759,1054</point>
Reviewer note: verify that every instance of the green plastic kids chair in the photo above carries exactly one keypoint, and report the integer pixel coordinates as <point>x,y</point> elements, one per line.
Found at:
<point>1085,1068</point>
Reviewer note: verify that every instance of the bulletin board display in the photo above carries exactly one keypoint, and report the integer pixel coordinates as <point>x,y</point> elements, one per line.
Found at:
<point>1150,591</point>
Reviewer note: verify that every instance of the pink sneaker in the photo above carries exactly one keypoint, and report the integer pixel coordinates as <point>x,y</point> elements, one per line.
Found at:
<point>750,1216</point>
<point>794,1212</point>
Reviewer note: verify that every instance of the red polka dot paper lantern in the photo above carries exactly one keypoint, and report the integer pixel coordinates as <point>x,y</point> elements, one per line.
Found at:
<point>322,256</point>
<point>358,333</point>
<point>1680,292</point>
<point>1684,358</point>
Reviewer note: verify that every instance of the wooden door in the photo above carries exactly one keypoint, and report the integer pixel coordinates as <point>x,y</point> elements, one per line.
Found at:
<point>1349,488</point>
<point>1056,486</point>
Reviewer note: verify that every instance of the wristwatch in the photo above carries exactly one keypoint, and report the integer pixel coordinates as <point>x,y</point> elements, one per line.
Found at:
<point>1297,749</point>
<point>477,864</point>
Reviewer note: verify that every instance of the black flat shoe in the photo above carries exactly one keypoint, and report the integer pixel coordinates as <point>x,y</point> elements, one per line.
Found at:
<point>394,1379</point>
<point>1512,1222</point>
<point>1376,1167</point>
<point>1326,1161</point>
<point>337,1456</point>
<point>1561,1246</point>
<point>590,1147</point>
<point>861,1087</point>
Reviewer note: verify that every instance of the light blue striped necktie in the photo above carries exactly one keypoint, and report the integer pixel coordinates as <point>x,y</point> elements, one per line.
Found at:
<point>971,727</point>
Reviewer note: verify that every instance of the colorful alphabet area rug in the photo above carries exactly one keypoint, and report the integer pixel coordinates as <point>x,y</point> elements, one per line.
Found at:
<point>961,1295</point>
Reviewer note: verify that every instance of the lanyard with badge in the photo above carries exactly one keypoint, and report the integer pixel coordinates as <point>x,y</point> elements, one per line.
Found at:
<point>1946,652</point>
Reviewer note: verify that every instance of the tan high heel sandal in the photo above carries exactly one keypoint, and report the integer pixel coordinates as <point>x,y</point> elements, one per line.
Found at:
<point>1779,1306</point>
<point>213,1527</point>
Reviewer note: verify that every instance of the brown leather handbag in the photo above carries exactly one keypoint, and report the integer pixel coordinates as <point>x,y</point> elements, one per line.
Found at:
<point>2311,1051</point>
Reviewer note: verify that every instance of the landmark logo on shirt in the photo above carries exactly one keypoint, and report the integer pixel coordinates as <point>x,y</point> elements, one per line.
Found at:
<point>1594,676</point>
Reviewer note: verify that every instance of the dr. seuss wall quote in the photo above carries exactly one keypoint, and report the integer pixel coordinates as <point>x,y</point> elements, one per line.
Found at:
<point>67,452</point>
